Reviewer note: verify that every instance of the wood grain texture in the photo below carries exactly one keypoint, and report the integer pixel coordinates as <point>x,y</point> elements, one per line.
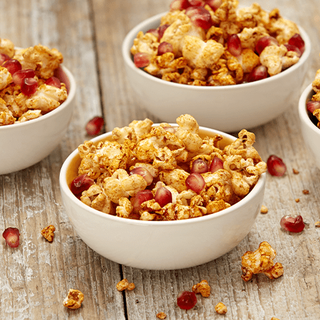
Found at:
<point>36,277</point>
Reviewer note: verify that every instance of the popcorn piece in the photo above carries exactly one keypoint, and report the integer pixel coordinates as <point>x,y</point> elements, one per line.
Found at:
<point>74,299</point>
<point>250,36</point>
<point>48,232</point>
<point>316,82</point>
<point>7,47</point>
<point>147,43</point>
<point>161,315</point>
<point>30,115</point>
<point>305,191</point>
<point>220,308</point>
<point>203,288</point>
<point>125,285</point>
<point>264,209</point>
<point>5,77</point>
<point>5,114</point>
<point>124,208</point>
<point>261,261</point>
<point>248,60</point>
<point>271,58</point>
<point>295,171</point>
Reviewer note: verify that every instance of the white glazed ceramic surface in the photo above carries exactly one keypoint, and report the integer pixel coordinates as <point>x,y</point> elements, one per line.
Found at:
<point>310,132</point>
<point>24,144</point>
<point>226,108</point>
<point>162,245</point>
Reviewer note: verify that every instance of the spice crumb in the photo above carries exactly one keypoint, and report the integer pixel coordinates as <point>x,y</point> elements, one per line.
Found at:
<point>297,200</point>
<point>305,191</point>
<point>295,171</point>
<point>264,209</point>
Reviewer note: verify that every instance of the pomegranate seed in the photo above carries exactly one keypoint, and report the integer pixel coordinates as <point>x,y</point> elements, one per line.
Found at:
<point>144,173</point>
<point>199,166</point>
<point>216,164</point>
<point>155,32</point>
<point>29,86</point>
<point>163,196</point>
<point>276,166</point>
<point>11,235</point>
<point>3,58</point>
<point>265,42</point>
<point>20,75</point>
<point>179,4</point>
<point>234,45</point>
<point>293,48</point>
<point>292,224</point>
<point>196,3</point>
<point>94,126</point>
<point>199,16</point>
<point>162,30</point>
<point>214,4</point>
<point>54,82</point>
<point>195,182</point>
<point>164,47</point>
<point>313,105</point>
<point>257,73</point>
<point>140,197</point>
<point>80,184</point>
<point>297,41</point>
<point>12,65</point>
<point>141,59</point>
<point>186,300</point>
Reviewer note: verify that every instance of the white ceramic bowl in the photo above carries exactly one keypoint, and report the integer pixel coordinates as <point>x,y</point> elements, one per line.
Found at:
<point>310,132</point>
<point>160,245</point>
<point>226,108</point>
<point>24,144</point>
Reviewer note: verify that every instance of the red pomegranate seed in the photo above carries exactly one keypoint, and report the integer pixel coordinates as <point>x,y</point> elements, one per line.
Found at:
<point>234,45</point>
<point>80,184</point>
<point>292,224</point>
<point>141,59</point>
<point>196,3</point>
<point>199,166</point>
<point>199,16</point>
<point>54,82</point>
<point>3,58</point>
<point>20,75</point>
<point>214,4</point>
<point>297,41</point>
<point>195,182</point>
<point>11,235</point>
<point>155,32</point>
<point>264,42</point>
<point>164,47</point>
<point>186,300</point>
<point>12,65</point>
<point>276,166</point>
<point>29,86</point>
<point>144,173</point>
<point>179,4</point>
<point>257,73</point>
<point>293,48</point>
<point>216,164</point>
<point>140,197</point>
<point>94,126</point>
<point>163,196</point>
<point>162,29</point>
<point>313,105</point>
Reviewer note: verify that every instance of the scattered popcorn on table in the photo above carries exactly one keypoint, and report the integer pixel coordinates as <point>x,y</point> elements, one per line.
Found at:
<point>150,173</point>
<point>48,233</point>
<point>220,308</point>
<point>207,46</point>
<point>203,288</point>
<point>305,191</point>
<point>74,299</point>
<point>161,315</point>
<point>295,171</point>
<point>261,261</point>
<point>125,285</point>
<point>28,88</point>
<point>264,209</point>
<point>317,224</point>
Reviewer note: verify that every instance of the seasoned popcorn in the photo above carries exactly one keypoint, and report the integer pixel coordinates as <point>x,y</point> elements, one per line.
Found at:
<point>161,315</point>
<point>203,288</point>
<point>74,299</point>
<point>316,96</point>
<point>48,233</point>
<point>220,308</point>
<point>142,172</point>
<point>18,104</point>
<point>125,285</point>
<point>198,54</point>
<point>261,261</point>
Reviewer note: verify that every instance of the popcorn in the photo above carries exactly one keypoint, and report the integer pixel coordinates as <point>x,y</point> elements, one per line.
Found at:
<point>220,308</point>
<point>203,288</point>
<point>26,104</point>
<point>143,174</point>
<point>48,232</point>
<point>125,285</point>
<point>261,261</point>
<point>199,53</point>
<point>74,299</point>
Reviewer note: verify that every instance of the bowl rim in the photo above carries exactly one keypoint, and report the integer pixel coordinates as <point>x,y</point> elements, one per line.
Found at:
<point>128,41</point>
<point>303,114</point>
<point>65,188</point>
<point>70,97</point>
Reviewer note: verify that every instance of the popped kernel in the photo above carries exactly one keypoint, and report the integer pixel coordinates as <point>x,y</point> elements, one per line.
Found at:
<point>297,200</point>
<point>261,261</point>
<point>122,285</point>
<point>74,299</point>
<point>146,172</point>
<point>220,308</point>
<point>161,316</point>
<point>264,209</point>
<point>317,224</point>
<point>48,232</point>
<point>305,191</point>
<point>203,288</point>
<point>295,171</point>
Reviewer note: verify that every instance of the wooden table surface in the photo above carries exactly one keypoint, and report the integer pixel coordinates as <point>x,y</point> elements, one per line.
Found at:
<point>36,276</point>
